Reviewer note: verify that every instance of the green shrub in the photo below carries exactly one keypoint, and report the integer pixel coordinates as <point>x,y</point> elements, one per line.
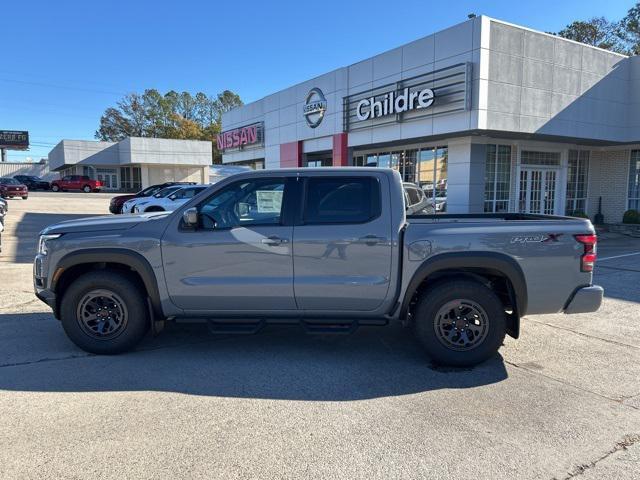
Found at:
<point>631,216</point>
<point>579,214</point>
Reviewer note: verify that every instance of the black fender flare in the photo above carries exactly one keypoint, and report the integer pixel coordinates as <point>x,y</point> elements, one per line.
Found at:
<point>488,261</point>
<point>114,255</point>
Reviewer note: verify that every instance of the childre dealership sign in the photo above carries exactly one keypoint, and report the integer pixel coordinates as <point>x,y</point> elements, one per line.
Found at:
<point>240,137</point>
<point>438,92</point>
<point>394,102</point>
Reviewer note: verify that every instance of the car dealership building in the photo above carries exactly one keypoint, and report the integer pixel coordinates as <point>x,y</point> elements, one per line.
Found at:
<point>492,116</point>
<point>134,163</point>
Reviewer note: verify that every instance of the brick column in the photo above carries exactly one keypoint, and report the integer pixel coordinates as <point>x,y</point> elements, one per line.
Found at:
<point>291,155</point>
<point>340,150</point>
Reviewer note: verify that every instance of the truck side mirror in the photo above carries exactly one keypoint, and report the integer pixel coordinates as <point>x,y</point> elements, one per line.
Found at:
<point>190,217</point>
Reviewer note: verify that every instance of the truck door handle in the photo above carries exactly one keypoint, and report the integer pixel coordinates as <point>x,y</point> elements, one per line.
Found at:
<point>274,241</point>
<point>371,240</point>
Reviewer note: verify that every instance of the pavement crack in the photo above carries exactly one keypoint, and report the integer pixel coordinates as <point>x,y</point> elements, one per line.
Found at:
<point>565,329</point>
<point>626,442</point>
<point>86,355</point>
<point>536,372</point>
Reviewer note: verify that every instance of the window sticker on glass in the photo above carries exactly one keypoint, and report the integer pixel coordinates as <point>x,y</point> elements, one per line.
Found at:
<point>269,201</point>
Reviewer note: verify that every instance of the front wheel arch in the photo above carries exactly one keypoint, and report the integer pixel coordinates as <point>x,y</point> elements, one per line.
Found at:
<point>134,264</point>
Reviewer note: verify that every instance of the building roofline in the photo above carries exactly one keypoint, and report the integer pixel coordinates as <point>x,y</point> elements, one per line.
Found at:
<point>528,29</point>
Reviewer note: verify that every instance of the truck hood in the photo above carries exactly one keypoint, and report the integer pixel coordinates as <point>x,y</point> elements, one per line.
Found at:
<point>103,223</point>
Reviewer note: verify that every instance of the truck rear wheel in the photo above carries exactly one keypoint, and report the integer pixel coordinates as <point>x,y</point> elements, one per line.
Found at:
<point>104,312</point>
<point>460,323</point>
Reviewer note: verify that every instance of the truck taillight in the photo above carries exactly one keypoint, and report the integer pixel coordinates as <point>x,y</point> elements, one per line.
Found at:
<point>588,258</point>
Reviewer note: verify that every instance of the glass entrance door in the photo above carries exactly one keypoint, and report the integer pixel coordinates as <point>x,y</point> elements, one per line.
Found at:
<point>538,190</point>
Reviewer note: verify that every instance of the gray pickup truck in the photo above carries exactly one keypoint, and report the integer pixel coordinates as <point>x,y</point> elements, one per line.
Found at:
<point>330,249</point>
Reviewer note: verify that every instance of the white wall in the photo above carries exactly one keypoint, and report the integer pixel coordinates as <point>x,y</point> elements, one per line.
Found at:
<point>9,169</point>
<point>540,83</point>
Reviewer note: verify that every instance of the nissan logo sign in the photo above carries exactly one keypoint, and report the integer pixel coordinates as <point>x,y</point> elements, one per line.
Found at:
<point>314,107</point>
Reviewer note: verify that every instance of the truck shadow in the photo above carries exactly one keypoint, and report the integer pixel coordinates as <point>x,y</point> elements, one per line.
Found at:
<point>279,363</point>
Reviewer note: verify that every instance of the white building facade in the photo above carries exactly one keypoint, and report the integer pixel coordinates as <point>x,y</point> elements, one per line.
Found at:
<point>134,163</point>
<point>492,116</point>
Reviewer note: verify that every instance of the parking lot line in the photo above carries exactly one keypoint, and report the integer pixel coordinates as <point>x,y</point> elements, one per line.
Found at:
<point>618,256</point>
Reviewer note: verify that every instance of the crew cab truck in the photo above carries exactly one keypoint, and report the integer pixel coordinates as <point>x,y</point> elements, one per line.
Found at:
<point>76,182</point>
<point>331,249</point>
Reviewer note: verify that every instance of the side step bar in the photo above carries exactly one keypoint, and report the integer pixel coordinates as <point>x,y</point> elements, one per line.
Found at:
<point>309,325</point>
<point>248,328</point>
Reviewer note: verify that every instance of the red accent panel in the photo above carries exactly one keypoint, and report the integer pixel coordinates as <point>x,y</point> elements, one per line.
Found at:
<point>340,150</point>
<point>291,155</point>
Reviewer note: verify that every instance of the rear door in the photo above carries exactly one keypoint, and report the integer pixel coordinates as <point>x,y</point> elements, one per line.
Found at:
<point>342,244</point>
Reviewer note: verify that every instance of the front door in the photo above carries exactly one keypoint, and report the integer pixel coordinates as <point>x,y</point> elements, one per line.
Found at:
<point>342,245</point>
<point>538,190</point>
<point>240,256</point>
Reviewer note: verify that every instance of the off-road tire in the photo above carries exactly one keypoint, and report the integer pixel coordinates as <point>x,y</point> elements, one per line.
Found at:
<point>126,290</point>
<point>447,293</point>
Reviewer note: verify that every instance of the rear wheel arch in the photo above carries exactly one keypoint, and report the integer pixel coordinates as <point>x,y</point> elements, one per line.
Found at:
<point>131,263</point>
<point>488,268</point>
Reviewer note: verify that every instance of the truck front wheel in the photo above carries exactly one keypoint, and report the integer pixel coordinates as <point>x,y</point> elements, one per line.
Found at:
<point>460,322</point>
<point>104,312</point>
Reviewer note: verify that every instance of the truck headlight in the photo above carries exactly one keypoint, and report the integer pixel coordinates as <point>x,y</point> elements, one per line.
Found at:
<point>42,242</point>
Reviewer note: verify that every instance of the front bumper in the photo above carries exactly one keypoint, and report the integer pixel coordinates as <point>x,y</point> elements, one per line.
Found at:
<point>585,299</point>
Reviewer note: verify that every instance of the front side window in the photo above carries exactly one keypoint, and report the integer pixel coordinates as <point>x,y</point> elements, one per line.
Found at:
<point>577,178</point>
<point>243,204</point>
<point>341,200</point>
<point>634,180</point>
<point>497,178</point>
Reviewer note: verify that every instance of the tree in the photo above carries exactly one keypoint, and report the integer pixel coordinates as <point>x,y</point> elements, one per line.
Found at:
<point>172,115</point>
<point>598,32</point>
<point>630,29</point>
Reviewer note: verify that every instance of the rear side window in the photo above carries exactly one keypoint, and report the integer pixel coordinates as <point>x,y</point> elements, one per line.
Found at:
<point>341,200</point>
<point>414,196</point>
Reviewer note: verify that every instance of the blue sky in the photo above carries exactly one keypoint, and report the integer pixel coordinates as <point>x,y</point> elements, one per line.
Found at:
<point>64,62</point>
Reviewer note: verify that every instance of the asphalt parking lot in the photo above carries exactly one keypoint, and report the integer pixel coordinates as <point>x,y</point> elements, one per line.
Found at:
<point>561,402</point>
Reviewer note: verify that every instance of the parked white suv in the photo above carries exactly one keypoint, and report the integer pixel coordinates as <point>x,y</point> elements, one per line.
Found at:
<point>168,203</point>
<point>129,205</point>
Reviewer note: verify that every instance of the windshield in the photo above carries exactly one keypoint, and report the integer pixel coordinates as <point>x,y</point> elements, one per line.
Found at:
<point>9,181</point>
<point>165,192</point>
<point>147,192</point>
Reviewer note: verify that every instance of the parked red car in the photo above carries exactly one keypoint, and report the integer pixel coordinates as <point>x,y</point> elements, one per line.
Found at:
<point>10,187</point>
<point>76,182</point>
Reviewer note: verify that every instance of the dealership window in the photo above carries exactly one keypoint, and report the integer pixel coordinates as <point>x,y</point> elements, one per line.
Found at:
<point>634,180</point>
<point>577,177</point>
<point>426,167</point>
<point>530,157</point>
<point>432,174</point>
<point>497,178</point>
